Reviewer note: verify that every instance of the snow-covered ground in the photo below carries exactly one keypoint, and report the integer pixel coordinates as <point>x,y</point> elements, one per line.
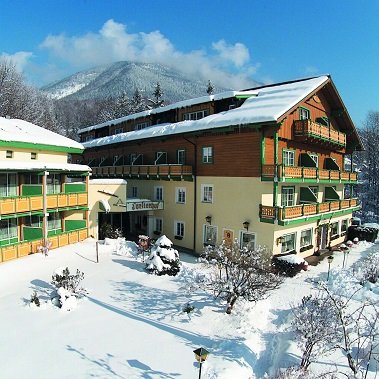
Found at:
<point>131,324</point>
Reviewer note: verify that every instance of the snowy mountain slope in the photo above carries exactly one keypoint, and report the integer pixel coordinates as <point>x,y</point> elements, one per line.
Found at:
<point>112,80</point>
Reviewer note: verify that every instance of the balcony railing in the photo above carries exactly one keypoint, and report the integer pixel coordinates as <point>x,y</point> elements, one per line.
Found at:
<point>22,204</point>
<point>306,173</point>
<point>304,210</point>
<point>310,130</point>
<point>144,171</point>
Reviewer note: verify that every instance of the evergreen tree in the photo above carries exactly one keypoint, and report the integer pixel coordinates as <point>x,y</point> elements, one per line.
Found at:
<point>210,88</point>
<point>157,101</point>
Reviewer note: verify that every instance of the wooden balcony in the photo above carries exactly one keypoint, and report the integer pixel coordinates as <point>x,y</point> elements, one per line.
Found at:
<point>167,171</point>
<point>302,174</point>
<point>310,131</point>
<point>23,204</point>
<point>305,210</point>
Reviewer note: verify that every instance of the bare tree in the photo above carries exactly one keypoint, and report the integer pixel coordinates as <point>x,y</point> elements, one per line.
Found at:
<point>240,273</point>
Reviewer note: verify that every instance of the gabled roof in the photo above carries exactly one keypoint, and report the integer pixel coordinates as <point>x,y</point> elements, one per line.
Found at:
<point>267,104</point>
<point>23,134</point>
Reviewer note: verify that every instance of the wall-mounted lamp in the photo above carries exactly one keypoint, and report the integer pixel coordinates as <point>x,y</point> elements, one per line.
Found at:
<point>279,240</point>
<point>246,225</point>
<point>208,219</point>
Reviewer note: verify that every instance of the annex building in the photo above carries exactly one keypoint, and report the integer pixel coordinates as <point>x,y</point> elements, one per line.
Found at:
<point>43,197</point>
<point>263,166</point>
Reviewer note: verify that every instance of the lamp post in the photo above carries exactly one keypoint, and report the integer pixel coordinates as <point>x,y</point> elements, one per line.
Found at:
<point>201,355</point>
<point>345,251</point>
<point>330,260</point>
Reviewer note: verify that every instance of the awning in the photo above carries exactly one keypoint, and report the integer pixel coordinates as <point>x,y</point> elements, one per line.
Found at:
<point>331,194</point>
<point>307,195</point>
<point>307,161</point>
<point>330,164</point>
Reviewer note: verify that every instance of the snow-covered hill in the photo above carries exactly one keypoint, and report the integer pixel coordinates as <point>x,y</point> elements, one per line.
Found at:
<point>114,79</point>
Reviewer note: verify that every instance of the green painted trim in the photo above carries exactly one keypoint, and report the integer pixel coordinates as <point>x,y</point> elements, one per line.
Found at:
<point>267,220</point>
<point>244,96</point>
<point>41,146</point>
<point>263,149</point>
<point>17,215</point>
<point>8,241</point>
<point>322,216</point>
<point>276,184</point>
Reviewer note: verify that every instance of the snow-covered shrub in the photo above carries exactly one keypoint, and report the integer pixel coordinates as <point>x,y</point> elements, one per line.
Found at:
<point>109,231</point>
<point>300,373</point>
<point>163,258</point>
<point>188,308</point>
<point>240,273</point>
<point>34,299</point>
<point>289,265</point>
<point>67,287</point>
<point>367,270</point>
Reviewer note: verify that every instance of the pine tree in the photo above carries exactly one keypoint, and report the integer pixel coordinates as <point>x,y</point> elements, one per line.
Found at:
<point>157,101</point>
<point>210,88</point>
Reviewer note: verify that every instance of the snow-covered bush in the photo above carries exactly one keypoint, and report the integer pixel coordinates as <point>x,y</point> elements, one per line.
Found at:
<point>367,270</point>
<point>67,287</point>
<point>163,258</point>
<point>289,265</point>
<point>34,299</point>
<point>109,231</point>
<point>240,273</point>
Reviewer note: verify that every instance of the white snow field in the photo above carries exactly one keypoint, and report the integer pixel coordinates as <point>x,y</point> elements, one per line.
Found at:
<point>131,324</point>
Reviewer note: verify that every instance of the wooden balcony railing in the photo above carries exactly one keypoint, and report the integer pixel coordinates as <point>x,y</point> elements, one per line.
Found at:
<point>144,171</point>
<point>13,205</point>
<point>308,129</point>
<point>297,211</point>
<point>301,173</point>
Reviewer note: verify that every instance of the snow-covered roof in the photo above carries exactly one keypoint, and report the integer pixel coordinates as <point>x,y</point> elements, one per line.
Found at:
<point>180,104</point>
<point>41,165</point>
<point>268,105</point>
<point>16,131</point>
<point>107,181</point>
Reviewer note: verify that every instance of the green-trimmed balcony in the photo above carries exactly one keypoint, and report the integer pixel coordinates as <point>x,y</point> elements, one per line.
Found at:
<point>310,131</point>
<point>330,174</point>
<point>31,199</point>
<point>306,211</point>
<point>162,171</point>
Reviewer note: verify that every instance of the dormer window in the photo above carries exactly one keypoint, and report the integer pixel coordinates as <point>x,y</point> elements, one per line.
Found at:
<point>195,115</point>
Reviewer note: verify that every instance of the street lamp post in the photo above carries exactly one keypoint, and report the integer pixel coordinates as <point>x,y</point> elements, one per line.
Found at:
<point>330,260</point>
<point>201,355</point>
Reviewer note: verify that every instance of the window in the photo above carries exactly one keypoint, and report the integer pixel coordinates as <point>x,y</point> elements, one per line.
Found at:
<point>304,114</point>
<point>133,157</point>
<point>288,242</point>
<point>118,131</point>
<point>344,226</point>
<point>288,196</point>
<point>306,238</point>
<point>8,230</point>
<point>314,189</point>
<point>158,225</point>
<point>9,154</point>
<point>160,157</point>
<point>195,115</point>
<point>8,185</point>
<point>180,195</point>
<point>141,125</point>
<point>210,235</point>
<point>33,155</point>
<point>134,191</point>
<point>34,221</point>
<point>323,120</point>
<point>179,229</point>
<point>53,182</point>
<point>181,156</point>
<point>158,193</point>
<point>54,221</point>
<point>334,229</point>
<point>247,240</point>
<point>206,193</point>
<point>315,158</point>
<point>33,179</point>
<point>288,158</point>
<point>207,154</point>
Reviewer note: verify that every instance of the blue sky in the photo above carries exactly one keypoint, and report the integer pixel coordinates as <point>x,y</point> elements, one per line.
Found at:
<point>229,42</point>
